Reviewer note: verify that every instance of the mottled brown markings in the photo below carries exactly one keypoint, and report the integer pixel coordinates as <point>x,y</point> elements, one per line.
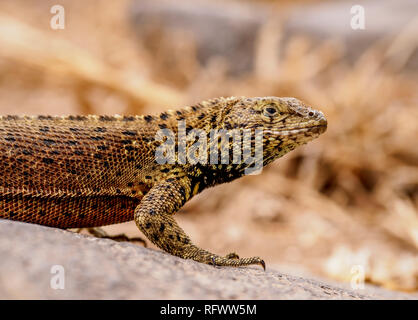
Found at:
<point>182,192</point>
<point>11,117</point>
<point>47,160</point>
<point>49,142</point>
<point>228,126</point>
<point>128,118</point>
<point>129,133</point>
<point>72,171</point>
<point>164,116</point>
<point>162,227</point>
<point>100,129</point>
<point>148,118</point>
<point>107,118</point>
<point>44,129</point>
<point>78,118</point>
<point>42,117</point>
<point>97,138</point>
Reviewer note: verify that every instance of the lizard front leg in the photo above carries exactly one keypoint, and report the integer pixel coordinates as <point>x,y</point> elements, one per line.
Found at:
<point>154,218</point>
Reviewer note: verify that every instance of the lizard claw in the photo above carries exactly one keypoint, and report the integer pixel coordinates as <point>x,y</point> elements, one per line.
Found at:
<point>263,264</point>
<point>213,261</point>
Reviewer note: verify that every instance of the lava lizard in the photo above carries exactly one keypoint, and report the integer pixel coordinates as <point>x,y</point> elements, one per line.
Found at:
<point>90,171</point>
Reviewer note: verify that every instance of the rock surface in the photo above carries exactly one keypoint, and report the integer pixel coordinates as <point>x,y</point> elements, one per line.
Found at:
<point>103,269</point>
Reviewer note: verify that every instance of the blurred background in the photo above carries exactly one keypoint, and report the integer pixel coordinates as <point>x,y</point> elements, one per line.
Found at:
<point>343,203</point>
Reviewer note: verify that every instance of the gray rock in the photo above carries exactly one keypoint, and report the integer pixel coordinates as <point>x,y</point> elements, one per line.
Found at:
<point>103,269</point>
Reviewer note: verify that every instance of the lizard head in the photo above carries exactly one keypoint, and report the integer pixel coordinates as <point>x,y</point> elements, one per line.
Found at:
<point>286,123</point>
<point>249,133</point>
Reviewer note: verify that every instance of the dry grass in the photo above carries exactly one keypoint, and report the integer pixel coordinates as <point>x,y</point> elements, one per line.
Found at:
<point>349,198</point>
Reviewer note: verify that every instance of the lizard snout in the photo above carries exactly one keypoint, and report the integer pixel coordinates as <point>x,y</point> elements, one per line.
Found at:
<point>323,123</point>
<point>321,118</point>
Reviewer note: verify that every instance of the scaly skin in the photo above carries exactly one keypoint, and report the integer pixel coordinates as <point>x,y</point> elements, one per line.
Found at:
<point>89,171</point>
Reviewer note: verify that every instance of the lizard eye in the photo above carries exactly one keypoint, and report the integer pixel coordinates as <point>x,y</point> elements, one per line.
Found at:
<point>270,111</point>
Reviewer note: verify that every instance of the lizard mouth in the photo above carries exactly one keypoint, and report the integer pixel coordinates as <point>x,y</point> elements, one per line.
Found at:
<point>320,128</point>
<point>316,129</point>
